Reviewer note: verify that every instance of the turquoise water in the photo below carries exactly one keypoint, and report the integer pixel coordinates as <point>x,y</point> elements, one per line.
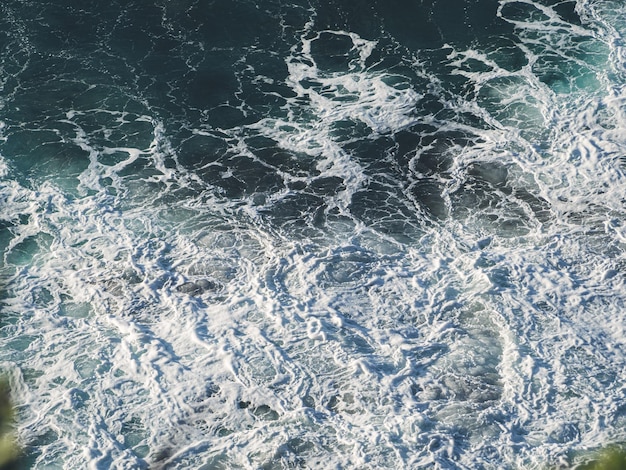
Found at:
<point>313,234</point>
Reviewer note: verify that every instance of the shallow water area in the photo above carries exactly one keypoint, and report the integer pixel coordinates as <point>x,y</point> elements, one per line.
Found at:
<point>309,234</point>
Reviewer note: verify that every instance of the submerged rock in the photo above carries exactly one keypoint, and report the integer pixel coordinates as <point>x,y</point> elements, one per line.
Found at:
<point>9,450</point>
<point>611,458</point>
<point>198,287</point>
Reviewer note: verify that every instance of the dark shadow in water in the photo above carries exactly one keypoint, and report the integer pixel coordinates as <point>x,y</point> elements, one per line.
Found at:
<point>220,65</point>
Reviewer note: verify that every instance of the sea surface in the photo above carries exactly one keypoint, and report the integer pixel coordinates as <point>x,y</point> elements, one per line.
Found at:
<point>318,234</point>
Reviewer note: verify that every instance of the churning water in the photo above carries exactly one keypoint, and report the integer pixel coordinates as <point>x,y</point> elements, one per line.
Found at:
<point>313,233</point>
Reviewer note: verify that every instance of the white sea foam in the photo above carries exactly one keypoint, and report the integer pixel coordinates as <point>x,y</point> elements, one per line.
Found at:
<point>477,345</point>
<point>384,102</point>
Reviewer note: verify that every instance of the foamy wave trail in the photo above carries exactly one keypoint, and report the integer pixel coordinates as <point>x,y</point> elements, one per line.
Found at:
<point>306,234</point>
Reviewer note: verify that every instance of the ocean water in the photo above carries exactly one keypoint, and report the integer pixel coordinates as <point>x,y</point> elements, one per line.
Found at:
<point>280,234</point>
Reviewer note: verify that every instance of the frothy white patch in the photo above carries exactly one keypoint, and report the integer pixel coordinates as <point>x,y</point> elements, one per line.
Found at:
<point>358,94</point>
<point>384,102</point>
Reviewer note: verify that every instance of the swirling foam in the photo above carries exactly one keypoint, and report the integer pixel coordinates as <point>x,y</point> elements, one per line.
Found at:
<point>492,337</point>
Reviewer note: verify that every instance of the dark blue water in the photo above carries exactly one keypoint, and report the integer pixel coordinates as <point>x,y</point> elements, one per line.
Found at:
<point>301,234</point>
